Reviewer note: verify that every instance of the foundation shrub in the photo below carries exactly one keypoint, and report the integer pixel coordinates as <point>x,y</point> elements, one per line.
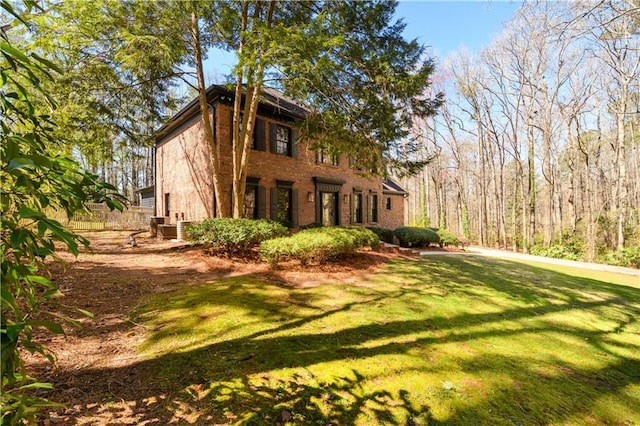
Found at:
<point>233,236</point>
<point>412,236</point>
<point>384,234</point>
<point>447,238</point>
<point>317,244</point>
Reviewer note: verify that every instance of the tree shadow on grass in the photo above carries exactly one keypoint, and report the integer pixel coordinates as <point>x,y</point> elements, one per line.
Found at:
<point>229,381</point>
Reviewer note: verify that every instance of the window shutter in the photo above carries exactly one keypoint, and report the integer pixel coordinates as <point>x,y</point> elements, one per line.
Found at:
<point>272,137</point>
<point>260,135</point>
<point>366,203</point>
<point>294,143</point>
<point>274,204</point>
<point>262,202</point>
<point>352,208</point>
<point>374,207</point>
<point>231,201</point>
<point>294,208</point>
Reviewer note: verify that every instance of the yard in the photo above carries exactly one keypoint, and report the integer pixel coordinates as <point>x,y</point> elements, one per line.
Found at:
<point>181,338</point>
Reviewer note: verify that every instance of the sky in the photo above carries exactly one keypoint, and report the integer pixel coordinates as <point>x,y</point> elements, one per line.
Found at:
<point>442,26</point>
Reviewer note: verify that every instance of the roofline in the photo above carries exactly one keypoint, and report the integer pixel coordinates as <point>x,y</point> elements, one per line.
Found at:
<point>392,183</point>
<point>220,94</point>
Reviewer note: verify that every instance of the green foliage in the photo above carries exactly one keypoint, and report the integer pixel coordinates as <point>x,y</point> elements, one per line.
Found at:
<point>412,236</point>
<point>556,251</point>
<point>234,236</point>
<point>629,256</point>
<point>447,238</point>
<point>384,234</point>
<point>32,179</point>
<point>565,246</point>
<point>317,244</point>
<point>357,48</point>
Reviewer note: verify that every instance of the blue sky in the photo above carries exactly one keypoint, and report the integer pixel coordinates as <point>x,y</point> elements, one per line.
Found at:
<point>447,25</point>
<point>443,26</point>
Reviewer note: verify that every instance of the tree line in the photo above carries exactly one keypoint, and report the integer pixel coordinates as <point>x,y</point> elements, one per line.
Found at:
<point>537,145</point>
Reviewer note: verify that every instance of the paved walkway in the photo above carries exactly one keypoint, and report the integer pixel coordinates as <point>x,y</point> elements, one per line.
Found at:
<point>504,254</point>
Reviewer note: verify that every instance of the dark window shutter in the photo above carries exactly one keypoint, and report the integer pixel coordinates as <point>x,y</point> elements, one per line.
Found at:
<point>318,206</point>
<point>260,135</point>
<point>294,208</point>
<point>274,204</point>
<point>231,201</point>
<point>352,208</point>
<point>262,202</point>
<point>367,207</point>
<point>272,137</point>
<point>294,143</point>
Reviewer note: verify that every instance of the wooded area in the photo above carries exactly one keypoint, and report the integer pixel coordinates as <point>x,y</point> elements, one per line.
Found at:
<point>537,145</point>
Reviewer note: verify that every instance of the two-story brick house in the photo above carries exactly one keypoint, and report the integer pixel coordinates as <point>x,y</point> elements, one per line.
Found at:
<point>286,180</point>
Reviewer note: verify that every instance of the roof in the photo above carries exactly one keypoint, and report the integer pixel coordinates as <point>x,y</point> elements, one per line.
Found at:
<point>391,187</point>
<point>272,102</point>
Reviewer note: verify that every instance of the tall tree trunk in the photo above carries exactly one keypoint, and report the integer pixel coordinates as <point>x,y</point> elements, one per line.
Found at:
<point>212,144</point>
<point>621,184</point>
<point>532,192</point>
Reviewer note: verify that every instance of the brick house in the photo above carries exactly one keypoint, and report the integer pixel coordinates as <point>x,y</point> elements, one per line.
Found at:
<point>286,180</point>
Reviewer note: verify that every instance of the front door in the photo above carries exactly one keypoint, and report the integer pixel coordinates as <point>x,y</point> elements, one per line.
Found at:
<point>329,208</point>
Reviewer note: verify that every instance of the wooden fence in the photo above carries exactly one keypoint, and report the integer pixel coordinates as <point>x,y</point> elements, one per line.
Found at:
<point>100,218</point>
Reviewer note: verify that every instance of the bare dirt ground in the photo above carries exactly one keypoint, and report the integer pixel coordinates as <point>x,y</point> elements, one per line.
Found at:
<point>96,375</point>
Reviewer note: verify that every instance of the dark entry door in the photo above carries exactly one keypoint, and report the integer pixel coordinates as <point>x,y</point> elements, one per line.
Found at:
<point>329,208</point>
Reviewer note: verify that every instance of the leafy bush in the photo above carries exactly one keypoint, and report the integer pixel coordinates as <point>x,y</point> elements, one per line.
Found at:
<point>317,244</point>
<point>384,234</point>
<point>556,252</point>
<point>33,180</point>
<point>233,236</point>
<point>629,256</point>
<point>447,238</point>
<point>410,236</point>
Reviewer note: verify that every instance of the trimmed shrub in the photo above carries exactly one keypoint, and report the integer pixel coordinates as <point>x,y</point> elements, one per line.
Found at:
<point>233,236</point>
<point>448,238</point>
<point>317,244</point>
<point>384,234</point>
<point>411,236</point>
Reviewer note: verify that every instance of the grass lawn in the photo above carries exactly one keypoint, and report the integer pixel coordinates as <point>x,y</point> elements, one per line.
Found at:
<point>447,339</point>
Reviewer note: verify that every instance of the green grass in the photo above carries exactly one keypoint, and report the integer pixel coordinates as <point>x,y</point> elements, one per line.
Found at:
<point>454,340</point>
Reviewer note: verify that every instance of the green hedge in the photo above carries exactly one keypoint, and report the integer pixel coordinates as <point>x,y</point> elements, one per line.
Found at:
<point>447,238</point>
<point>233,236</point>
<point>317,244</point>
<point>384,234</point>
<point>412,236</point>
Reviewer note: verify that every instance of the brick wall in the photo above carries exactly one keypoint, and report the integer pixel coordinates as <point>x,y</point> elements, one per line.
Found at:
<point>183,172</point>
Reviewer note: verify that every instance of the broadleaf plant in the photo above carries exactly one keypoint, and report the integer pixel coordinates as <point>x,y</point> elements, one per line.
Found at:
<point>33,179</point>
